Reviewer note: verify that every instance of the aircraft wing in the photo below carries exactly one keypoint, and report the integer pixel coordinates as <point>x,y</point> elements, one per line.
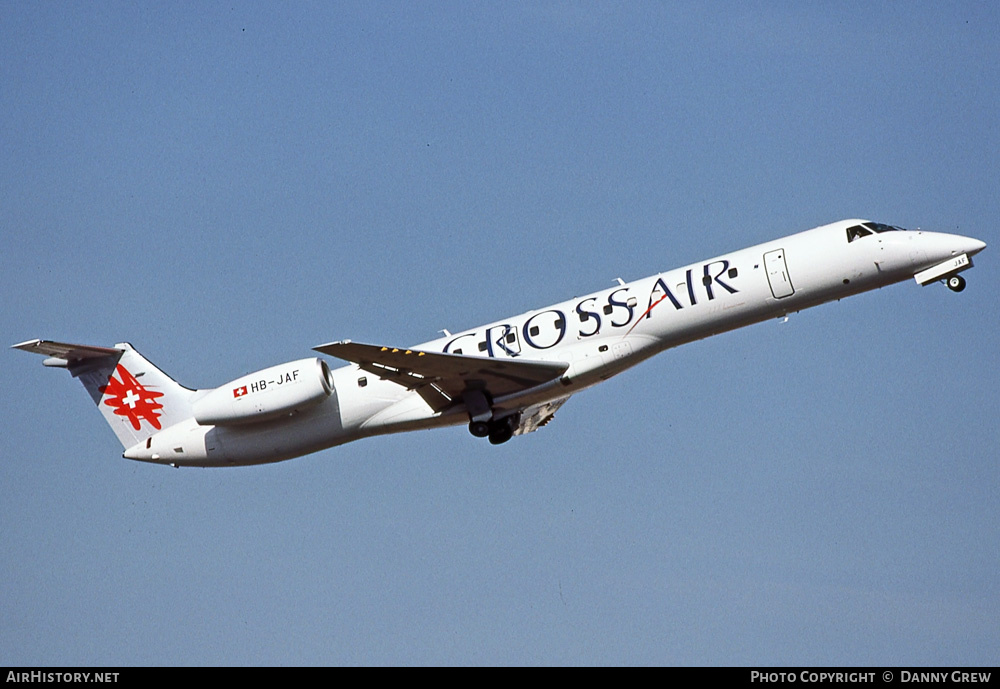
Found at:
<point>441,378</point>
<point>538,415</point>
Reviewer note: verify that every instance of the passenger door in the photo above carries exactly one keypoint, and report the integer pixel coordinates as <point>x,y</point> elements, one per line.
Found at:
<point>777,274</point>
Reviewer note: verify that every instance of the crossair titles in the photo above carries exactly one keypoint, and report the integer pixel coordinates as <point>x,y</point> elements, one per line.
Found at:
<point>618,309</point>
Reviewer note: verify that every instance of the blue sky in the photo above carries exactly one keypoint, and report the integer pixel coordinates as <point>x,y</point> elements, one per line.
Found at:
<point>228,186</point>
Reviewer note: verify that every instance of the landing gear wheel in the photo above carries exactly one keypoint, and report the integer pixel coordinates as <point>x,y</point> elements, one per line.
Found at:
<point>480,429</point>
<point>956,283</point>
<point>501,431</point>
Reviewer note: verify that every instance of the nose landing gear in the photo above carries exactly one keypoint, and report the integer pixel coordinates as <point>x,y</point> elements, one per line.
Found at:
<point>956,283</point>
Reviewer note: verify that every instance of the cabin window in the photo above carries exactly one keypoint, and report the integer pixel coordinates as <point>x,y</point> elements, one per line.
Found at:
<point>511,337</point>
<point>584,316</point>
<point>482,346</point>
<point>602,348</point>
<point>559,324</point>
<point>707,280</point>
<point>608,309</point>
<point>362,381</point>
<point>457,351</point>
<point>534,330</point>
<point>732,273</point>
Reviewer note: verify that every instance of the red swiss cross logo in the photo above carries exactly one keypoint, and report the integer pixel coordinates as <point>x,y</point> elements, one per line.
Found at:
<point>131,399</point>
<point>240,391</point>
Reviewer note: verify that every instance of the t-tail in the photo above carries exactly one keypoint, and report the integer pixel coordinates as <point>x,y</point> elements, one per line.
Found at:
<point>136,398</point>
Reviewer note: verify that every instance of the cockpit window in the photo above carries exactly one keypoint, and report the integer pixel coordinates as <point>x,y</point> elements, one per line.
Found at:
<point>867,228</point>
<point>879,227</point>
<point>856,232</point>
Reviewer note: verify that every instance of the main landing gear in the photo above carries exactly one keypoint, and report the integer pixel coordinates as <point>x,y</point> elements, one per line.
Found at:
<point>497,430</point>
<point>482,424</point>
<point>956,283</point>
<point>480,429</point>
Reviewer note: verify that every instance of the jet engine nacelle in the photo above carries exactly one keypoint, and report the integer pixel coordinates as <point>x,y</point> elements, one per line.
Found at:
<point>266,394</point>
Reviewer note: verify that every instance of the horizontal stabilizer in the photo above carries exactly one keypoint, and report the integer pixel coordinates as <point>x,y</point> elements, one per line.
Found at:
<point>452,374</point>
<point>66,351</point>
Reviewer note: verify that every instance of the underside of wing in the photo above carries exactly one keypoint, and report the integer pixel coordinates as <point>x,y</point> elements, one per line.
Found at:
<point>538,415</point>
<point>441,378</point>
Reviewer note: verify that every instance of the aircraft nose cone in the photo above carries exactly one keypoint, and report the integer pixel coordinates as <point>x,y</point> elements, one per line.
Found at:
<point>974,246</point>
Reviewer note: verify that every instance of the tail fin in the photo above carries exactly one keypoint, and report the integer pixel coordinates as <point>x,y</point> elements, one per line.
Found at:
<point>136,398</point>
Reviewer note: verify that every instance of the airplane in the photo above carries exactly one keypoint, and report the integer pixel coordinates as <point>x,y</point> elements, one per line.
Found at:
<point>504,378</point>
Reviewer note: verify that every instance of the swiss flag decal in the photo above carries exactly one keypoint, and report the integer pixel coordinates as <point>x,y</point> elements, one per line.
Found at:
<point>240,391</point>
<point>131,399</point>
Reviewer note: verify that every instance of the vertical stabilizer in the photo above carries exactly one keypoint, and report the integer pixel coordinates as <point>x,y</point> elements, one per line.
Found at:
<point>135,397</point>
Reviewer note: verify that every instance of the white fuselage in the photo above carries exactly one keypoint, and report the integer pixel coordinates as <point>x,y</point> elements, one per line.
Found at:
<point>598,335</point>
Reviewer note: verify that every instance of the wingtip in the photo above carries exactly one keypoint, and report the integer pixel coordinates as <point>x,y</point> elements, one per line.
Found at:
<point>26,343</point>
<point>337,343</point>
